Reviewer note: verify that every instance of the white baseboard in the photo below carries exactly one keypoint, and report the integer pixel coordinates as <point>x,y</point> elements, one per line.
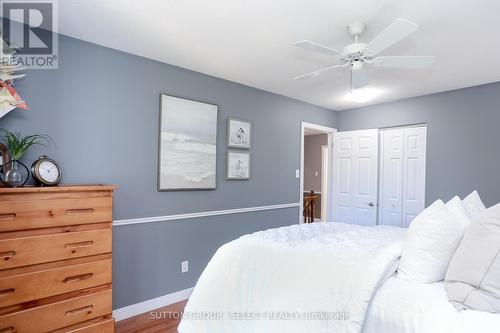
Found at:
<point>152,304</point>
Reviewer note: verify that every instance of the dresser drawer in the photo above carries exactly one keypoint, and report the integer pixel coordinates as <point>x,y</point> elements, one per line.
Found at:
<point>107,326</point>
<point>31,214</point>
<point>21,288</point>
<point>60,314</point>
<point>24,251</point>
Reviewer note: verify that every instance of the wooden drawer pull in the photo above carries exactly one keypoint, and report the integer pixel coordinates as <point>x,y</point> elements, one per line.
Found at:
<point>7,291</point>
<point>10,329</point>
<point>87,309</point>
<point>79,244</point>
<point>8,216</point>
<point>7,255</point>
<point>79,211</point>
<point>78,277</point>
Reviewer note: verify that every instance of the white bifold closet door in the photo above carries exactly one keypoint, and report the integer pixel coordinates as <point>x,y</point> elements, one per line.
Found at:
<point>355,159</point>
<point>402,174</point>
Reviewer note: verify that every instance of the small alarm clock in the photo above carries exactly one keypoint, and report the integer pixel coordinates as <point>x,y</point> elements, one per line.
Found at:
<point>46,171</point>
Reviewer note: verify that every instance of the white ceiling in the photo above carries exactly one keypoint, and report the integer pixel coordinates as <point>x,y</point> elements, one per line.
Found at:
<point>251,42</point>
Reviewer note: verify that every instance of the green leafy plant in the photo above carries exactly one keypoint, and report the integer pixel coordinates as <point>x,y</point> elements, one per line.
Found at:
<point>17,144</point>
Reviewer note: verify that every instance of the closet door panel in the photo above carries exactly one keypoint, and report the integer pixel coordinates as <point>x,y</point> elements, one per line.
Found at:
<point>392,177</point>
<point>356,177</point>
<point>415,141</point>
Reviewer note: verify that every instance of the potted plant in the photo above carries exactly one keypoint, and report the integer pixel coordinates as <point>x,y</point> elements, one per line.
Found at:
<point>18,145</point>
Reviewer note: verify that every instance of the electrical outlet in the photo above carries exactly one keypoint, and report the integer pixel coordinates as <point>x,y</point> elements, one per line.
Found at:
<point>297,173</point>
<point>184,266</point>
<point>316,173</point>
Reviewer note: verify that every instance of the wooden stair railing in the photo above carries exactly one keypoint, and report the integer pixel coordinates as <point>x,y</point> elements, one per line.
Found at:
<point>309,202</point>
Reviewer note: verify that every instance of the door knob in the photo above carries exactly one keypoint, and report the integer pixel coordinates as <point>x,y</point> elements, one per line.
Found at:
<point>371,204</point>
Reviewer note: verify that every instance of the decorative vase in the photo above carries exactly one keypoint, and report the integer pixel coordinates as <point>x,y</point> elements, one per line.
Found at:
<point>17,175</point>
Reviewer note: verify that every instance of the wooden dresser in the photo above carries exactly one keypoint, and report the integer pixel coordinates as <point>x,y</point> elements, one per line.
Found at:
<point>55,259</point>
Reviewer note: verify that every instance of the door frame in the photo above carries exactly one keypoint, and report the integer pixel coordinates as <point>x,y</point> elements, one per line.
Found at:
<point>330,131</point>
<point>325,167</point>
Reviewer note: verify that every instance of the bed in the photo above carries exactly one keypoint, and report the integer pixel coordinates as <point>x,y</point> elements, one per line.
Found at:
<point>320,277</point>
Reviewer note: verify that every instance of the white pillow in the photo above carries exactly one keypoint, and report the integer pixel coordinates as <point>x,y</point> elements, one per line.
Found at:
<point>457,208</point>
<point>431,241</point>
<point>473,205</point>
<point>473,278</point>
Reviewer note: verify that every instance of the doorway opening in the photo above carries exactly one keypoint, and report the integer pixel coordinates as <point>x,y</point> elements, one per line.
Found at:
<point>316,173</point>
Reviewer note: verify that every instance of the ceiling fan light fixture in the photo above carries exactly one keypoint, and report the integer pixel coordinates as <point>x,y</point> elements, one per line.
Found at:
<point>356,66</point>
<point>363,95</point>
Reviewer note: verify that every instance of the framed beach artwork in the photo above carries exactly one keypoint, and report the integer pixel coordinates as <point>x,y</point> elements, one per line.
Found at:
<point>238,133</point>
<point>187,144</point>
<point>237,165</point>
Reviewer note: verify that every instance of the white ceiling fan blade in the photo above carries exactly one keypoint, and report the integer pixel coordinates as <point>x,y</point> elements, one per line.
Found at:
<point>317,72</point>
<point>416,62</point>
<point>359,79</point>
<point>398,30</point>
<point>312,46</point>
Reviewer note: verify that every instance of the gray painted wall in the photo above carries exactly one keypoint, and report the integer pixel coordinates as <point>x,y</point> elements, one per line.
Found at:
<point>463,138</point>
<point>312,161</point>
<point>101,107</point>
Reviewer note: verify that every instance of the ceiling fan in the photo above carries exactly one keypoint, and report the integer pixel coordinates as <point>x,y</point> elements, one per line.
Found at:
<point>358,55</point>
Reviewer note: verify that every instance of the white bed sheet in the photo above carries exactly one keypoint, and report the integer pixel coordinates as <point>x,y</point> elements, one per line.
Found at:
<point>400,306</point>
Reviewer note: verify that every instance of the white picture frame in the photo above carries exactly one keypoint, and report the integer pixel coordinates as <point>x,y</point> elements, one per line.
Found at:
<point>238,164</point>
<point>239,133</point>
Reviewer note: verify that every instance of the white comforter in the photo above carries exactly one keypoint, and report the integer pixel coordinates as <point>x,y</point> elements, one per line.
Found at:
<point>298,279</point>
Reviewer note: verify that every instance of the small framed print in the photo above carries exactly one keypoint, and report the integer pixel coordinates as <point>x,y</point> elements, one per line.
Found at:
<point>237,165</point>
<point>238,133</point>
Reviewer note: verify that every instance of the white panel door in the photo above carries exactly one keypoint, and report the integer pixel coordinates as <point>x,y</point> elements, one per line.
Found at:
<point>415,142</point>
<point>356,177</point>
<point>391,177</point>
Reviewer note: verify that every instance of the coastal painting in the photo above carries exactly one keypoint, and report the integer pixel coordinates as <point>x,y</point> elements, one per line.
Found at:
<point>188,144</point>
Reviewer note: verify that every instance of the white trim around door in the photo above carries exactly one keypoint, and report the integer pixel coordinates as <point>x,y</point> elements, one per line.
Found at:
<point>327,130</point>
<point>325,167</point>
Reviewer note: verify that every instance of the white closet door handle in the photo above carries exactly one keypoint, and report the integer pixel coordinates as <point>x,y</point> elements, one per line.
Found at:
<point>371,204</point>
